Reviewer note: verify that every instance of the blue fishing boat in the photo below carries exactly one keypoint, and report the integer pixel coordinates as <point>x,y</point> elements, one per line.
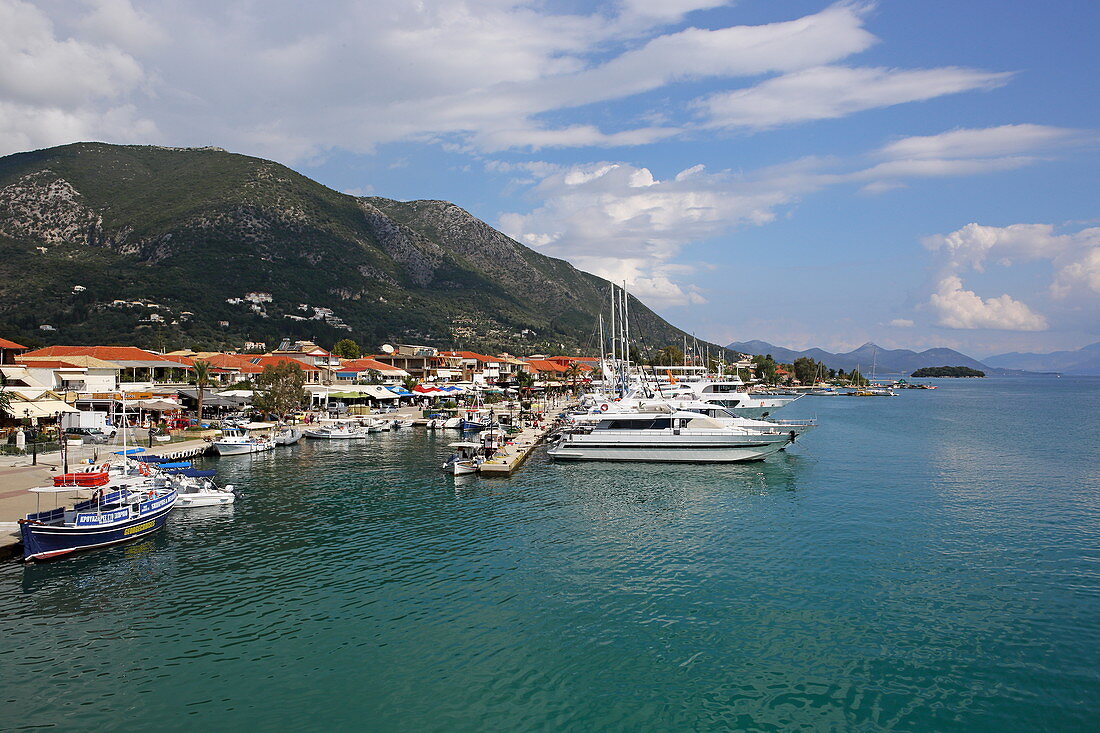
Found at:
<point>107,518</point>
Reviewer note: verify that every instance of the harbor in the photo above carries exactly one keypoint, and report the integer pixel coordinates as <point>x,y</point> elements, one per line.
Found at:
<point>467,586</point>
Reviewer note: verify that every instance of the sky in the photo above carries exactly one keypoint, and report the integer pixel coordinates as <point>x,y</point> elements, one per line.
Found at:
<point>808,173</point>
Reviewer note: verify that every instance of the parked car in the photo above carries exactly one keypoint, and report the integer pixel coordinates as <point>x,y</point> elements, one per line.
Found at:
<point>89,435</point>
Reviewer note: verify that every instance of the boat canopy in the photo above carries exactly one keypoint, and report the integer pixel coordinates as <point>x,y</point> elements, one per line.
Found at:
<point>58,489</point>
<point>181,464</point>
<point>128,451</point>
<point>258,426</point>
<point>464,444</point>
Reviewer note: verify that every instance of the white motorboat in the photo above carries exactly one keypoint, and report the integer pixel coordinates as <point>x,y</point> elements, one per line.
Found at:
<point>338,431</point>
<point>288,436</point>
<point>453,422</point>
<point>201,491</point>
<point>667,436</point>
<point>728,392</point>
<point>467,458</point>
<point>721,414</point>
<point>238,441</point>
<point>464,468</point>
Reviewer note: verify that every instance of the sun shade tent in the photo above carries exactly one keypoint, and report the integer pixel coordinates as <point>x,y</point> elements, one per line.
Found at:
<point>379,392</point>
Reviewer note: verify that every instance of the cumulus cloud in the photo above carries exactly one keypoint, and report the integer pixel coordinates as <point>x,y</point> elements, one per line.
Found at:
<point>828,92</point>
<point>1075,256</point>
<point>619,221</point>
<point>965,309</point>
<point>901,323</point>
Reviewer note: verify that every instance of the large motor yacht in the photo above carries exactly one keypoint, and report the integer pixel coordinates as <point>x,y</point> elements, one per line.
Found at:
<point>667,435</point>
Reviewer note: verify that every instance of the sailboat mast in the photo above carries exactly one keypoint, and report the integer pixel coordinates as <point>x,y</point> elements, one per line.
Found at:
<point>603,349</point>
<point>612,324</point>
<point>626,310</point>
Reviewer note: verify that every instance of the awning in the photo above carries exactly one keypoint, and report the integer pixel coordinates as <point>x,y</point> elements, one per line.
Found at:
<point>41,408</point>
<point>379,392</point>
<point>158,405</point>
<point>401,392</point>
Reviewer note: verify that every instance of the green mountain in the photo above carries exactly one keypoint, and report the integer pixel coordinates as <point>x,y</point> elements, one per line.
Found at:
<point>161,247</point>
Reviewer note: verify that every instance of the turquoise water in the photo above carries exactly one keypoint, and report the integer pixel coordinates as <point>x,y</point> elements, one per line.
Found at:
<point>927,562</point>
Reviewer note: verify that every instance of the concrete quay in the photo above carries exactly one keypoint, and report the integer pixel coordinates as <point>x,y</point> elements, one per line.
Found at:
<point>512,455</point>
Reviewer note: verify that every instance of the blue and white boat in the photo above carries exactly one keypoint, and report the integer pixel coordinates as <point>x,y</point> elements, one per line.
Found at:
<point>115,516</point>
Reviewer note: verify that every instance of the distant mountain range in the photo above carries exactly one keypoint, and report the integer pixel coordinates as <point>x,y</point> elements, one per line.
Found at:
<point>1082,362</point>
<point>884,361</point>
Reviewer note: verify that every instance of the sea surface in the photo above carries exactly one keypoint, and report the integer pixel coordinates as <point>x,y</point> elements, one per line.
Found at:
<point>929,562</point>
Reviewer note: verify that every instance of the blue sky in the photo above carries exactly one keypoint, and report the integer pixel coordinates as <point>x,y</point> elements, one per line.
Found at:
<point>808,173</point>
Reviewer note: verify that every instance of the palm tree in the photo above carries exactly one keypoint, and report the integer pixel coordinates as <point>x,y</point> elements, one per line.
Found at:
<point>573,371</point>
<point>202,379</point>
<point>525,381</point>
<point>5,396</point>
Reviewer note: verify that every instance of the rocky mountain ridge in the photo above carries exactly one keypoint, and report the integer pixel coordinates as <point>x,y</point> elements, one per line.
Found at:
<point>168,247</point>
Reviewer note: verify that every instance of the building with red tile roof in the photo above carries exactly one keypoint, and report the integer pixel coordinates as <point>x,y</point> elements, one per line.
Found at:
<point>9,350</point>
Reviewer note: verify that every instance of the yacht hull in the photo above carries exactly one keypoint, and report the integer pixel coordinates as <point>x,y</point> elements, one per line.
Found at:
<point>236,449</point>
<point>695,452</point>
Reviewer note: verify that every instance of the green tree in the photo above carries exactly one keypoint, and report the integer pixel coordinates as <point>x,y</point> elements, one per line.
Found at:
<point>669,356</point>
<point>202,380</point>
<point>806,370</point>
<point>347,349</point>
<point>572,373</point>
<point>765,368</point>
<point>525,381</point>
<point>373,377</point>
<point>280,389</point>
<point>409,383</point>
<point>857,379</point>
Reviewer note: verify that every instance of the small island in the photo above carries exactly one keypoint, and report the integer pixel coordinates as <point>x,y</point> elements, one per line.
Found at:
<point>948,371</point>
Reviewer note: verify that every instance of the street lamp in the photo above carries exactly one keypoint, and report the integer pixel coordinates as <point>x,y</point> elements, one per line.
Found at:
<point>34,437</point>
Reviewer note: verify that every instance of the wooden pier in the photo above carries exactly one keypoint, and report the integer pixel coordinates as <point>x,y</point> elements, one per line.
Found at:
<point>512,455</point>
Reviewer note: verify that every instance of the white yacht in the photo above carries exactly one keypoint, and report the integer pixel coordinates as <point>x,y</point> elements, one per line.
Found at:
<point>667,435</point>
<point>237,441</point>
<point>336,431</point>
<point>721,414</point>
<point>728,392</point>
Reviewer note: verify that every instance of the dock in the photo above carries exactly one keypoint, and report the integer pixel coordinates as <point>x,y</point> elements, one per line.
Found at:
<point>514,453</point>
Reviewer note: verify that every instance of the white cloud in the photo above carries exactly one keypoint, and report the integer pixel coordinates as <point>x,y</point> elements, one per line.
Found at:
<point>965,309</point>
<point>989,142</point>
<point>479,74</point>
<point>1079,274</point>
<point>1074,256</point>
<point>618,221</point>
<point>118,22</point>
<point>39,68</point>
<point>828,92</point>
<point>901,323</point>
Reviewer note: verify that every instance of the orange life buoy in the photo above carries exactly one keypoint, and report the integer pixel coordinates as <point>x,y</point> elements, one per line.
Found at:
<point>143,469</point>
<point>603,407</point>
